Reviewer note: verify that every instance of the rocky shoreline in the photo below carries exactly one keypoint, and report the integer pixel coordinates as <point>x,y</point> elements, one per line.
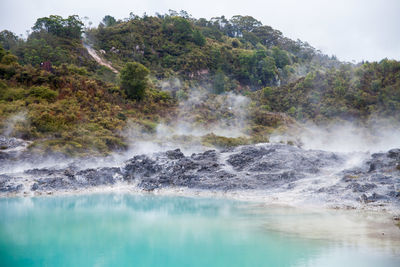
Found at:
<point>268,170</point>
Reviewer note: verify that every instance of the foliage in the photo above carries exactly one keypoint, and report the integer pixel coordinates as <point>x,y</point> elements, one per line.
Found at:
<point>281,58</point>
<point>67,111</point>
<point>198,38</point>
<point>70,27</point>
<point>73,105</point>
<point>134,80</point>
<point>54,40</point>
<point>219,82</point>
<point>247,52</point>
<point>43,92</point>
<point>8,39</point>
<point>109,21</point>
<point>180,29</point>
<point>371,89</point>
<point>6,58</point>
<point>224,142</point>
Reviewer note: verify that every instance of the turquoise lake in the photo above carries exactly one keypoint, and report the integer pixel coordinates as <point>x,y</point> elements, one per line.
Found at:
<point>148,230</point>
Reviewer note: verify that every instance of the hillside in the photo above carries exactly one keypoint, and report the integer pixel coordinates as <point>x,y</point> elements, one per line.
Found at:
<point>220,82</point>
<point>348,93</point>
<point>235,54</point>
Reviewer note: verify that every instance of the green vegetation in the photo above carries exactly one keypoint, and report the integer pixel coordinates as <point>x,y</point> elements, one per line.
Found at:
<point>53,39</point>
<point>224,142</point>
<point>108,21</point>
<point>56,95</point>
<point>227,142</point>
<point>241,49</point>
<point>134,80</point>
<point>347,93</point>
<point>66,111</point>
<point>70,27</point>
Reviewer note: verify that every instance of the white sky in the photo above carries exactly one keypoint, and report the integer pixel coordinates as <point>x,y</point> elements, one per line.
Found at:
<point>350,29</point>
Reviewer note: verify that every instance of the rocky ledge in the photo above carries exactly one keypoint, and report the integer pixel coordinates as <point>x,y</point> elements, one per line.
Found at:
<point>267,168</point>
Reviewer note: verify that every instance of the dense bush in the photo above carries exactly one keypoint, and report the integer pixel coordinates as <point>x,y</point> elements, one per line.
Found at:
<point>176,44</point>
<point>134,80</point>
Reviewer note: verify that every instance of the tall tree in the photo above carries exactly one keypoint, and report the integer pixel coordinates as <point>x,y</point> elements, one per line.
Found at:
<point>109,21</point>
<point>244,23</point>
<point>8,39</point>
<point>70,27</point>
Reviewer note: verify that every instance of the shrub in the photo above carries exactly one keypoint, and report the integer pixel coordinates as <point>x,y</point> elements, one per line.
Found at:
<point>235,43</point>
<point>43,92</point>
<point>134,80</point>
<point>149,126</point>
<point>9,59</point>
<point>77,70</point>
<point>198,38</point>
<point>3,85</point>
<point>12,94</point>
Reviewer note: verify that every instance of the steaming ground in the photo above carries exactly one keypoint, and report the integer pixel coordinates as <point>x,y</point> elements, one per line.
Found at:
<point>199,114</point>
<point>340,165</point>
<point>272,173</point>
<point>377,135</point>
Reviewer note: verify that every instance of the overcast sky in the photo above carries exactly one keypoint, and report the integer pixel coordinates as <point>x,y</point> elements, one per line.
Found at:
<point>350,29</point>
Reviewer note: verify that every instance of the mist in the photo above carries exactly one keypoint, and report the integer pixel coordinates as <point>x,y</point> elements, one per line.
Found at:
<point>12,121</point>
<point>377,135</point>
<point>201,114</point>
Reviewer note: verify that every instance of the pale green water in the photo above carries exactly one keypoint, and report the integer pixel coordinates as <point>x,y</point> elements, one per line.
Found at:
<point>134,230</point>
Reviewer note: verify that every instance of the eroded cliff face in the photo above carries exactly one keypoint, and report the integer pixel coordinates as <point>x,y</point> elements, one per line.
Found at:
<point>276,172</point>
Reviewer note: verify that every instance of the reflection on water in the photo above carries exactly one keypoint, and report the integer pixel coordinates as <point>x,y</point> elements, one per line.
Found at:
<point>137,230</point>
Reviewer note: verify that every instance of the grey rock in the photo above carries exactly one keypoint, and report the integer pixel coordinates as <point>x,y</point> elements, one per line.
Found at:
<point>253,167</point>
<point>394,153</point>
<point>35,187</point>
<point>361,188</point>
<point>372,198</point>
<point>140,166</point>
<point>96,177</point>
<point>175,154</point>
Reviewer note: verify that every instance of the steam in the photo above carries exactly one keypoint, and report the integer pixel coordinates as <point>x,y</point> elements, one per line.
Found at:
<point>376,135</point>
<point>202,113</point>
<point>142,142</point>
<point>199,113</point>
<point>12,122</point>
<point>171,85</point>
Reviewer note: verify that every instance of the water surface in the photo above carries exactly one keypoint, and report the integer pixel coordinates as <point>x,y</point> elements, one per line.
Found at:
<point>147,230</point>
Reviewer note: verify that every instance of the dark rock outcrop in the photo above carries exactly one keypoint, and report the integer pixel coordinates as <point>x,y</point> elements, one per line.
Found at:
<point>378,178</point>
<point>254,167</point>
